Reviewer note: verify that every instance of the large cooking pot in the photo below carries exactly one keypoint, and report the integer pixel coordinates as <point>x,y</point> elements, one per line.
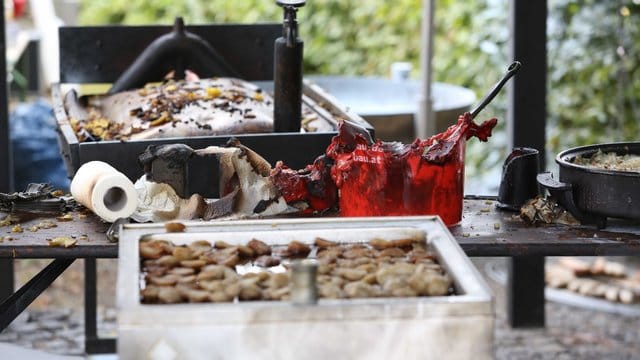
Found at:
<point>593,194</point>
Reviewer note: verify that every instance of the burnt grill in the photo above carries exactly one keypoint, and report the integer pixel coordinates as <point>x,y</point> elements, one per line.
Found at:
<point>98,55</point>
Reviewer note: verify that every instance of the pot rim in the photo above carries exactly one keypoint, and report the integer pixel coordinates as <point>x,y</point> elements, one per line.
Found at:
<point>563,158</point>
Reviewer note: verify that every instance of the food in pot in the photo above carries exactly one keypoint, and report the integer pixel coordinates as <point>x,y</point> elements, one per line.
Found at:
<point>202,271</point>
<point>610,161</point>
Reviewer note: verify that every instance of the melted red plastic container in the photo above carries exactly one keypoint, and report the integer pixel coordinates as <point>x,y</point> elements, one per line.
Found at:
<point>422,178</point>
<point>408,187</point>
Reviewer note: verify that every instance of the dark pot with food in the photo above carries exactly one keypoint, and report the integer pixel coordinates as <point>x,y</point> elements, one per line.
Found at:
<point>598,181</point>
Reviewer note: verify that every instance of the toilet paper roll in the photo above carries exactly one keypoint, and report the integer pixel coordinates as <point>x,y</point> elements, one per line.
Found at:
<point>104,190</point>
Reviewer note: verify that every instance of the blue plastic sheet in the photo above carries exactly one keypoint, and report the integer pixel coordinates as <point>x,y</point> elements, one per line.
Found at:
<point>36,154</point>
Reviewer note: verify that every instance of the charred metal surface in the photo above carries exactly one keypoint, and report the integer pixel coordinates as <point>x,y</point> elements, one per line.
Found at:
<point>174,154</point>
<point>97,55</point>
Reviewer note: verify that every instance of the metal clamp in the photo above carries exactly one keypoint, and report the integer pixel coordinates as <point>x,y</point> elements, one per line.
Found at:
<point>290,26</point>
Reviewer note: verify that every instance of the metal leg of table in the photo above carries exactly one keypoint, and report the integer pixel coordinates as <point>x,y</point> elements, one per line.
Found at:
<point>7,279</point>
<point>93,344</point>
<point>525,291</point>
<point>17,302</point>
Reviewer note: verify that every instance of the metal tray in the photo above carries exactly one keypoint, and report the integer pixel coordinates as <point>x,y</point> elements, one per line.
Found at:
<point>456,326</point>
<point>296,149</point>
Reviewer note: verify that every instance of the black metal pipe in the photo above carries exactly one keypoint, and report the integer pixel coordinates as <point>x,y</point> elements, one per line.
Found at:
<point>6,167</point>
<point>287,102</point>
<point>185,49</point>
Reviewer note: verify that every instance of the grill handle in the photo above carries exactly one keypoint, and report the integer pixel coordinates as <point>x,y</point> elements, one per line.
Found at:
<point>563,193</point>
<point>511,70</point>
<point>184,48</point>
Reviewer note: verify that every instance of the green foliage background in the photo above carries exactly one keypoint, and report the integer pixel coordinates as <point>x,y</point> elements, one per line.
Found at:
<point>594,81</point>
<point>593,78</point>
<point>349,37</point>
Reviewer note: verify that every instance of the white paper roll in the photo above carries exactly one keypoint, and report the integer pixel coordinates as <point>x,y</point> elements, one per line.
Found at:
<point>104,190</point>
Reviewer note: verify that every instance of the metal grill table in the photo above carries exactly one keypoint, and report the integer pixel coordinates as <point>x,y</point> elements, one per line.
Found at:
<point>487,231</point>
<point>484,231</point>
<point>34,245</point>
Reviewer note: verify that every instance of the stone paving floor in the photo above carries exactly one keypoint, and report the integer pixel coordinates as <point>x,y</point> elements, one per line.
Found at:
<point>56,331</point>
<point>571,333</point>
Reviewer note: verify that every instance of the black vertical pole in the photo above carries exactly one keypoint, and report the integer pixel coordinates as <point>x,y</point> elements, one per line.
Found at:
<point>90,304</point>
<point>92,343</point>
<point>526,126</point>
<point>525,292</point>
<point>287,82</point>
<point>6,169</point>
<point>527,96</point>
